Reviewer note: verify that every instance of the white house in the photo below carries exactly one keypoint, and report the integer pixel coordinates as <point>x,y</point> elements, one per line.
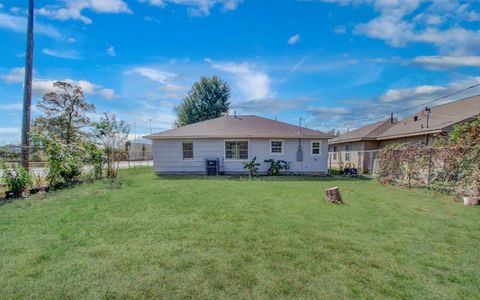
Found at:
<point>222,145</point>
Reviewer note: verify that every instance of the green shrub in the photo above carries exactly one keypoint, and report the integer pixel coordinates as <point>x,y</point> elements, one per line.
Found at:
<point>16,178</point>
<point>252,167</point>
<point>276,166</point>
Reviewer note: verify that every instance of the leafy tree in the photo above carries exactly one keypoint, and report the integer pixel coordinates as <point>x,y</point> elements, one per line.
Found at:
<point>113,135</point>
<point>207,99</point>
<point>466,134</point>
<point>65,113</point>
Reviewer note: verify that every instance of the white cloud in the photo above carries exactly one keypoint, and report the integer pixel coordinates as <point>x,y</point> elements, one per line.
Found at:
<point>433,22</point>
<point>15,10</point>
<point>1,5</point>
<point>9,135</point>
<point>19,24</point>
<point>197,7</point>
<point>11,106</point>
<point>169,87</point>
<point>16,75</point>
<point>153,74</point>
<point>396,95</point>
<point>41,87</point>
<point>406,100</point>
<point>67,54</point>
<point>442,62</point>
<point>111,51</point>
<point>293,39</point>
<point>71,40</point>
<point>253,83</point>
<point>340,30</point>
<point>72,9</point>
<point>268,106</point>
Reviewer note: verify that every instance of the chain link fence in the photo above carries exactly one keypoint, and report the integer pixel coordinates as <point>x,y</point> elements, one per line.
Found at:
<point>450,170</point>
<point>366,162</point>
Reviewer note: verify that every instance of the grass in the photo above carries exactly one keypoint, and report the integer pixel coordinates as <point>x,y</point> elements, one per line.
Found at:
<point>193,237</point>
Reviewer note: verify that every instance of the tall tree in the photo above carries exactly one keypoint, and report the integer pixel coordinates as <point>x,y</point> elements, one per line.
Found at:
<point>112,135</point>
<point>207,99</point>
<point>65,113</point>
<point>27,89</point>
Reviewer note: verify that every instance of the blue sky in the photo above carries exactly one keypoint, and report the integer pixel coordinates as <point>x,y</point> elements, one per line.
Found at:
<point>332,62</point>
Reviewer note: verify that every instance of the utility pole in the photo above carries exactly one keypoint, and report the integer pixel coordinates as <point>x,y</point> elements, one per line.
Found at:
<point>427,110</point>
<point>27,90</point>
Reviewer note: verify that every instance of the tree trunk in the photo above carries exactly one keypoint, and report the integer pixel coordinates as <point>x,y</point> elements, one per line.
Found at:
<point>333,195</point>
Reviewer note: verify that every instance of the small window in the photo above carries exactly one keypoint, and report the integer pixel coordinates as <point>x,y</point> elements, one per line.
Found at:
<point>316,147</point>
<point>236,150</point>
<point>187,150</point>
<point>347,152</point>
<point>276,147</point>
<point>335,150</point>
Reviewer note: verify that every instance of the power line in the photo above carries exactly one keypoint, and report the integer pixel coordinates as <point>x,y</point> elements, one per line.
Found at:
<point>415,107</point>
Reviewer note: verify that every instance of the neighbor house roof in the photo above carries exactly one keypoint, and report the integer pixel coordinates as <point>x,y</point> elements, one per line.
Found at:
<point>239,127</point>
<point>441,118</point>
<point>366,133</point>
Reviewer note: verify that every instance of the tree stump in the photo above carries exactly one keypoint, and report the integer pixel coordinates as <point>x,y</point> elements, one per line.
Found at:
<point>333,195</point>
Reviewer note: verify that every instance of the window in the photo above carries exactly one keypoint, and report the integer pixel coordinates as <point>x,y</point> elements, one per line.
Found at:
<point>187,150</point>
<point>276,147</point>
<point>347,152</point>
<point>316,147</point>
<point>335,150</point>
<point>236,150</point>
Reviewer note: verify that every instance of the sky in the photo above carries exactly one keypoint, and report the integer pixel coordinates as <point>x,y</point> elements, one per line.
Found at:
<point>334,63</point>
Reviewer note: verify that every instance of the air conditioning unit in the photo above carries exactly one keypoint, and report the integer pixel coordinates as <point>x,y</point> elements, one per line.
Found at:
<point>212,166</point>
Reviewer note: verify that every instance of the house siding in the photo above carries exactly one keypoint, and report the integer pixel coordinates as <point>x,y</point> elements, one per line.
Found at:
<point>168,158</point>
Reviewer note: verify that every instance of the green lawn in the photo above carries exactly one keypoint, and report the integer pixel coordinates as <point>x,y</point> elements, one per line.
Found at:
<point>217,238</point>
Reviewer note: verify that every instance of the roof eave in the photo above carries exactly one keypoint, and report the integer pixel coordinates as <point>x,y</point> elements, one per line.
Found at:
<point>154,137</point>
<point>409,134</point>
<point>351,140</point>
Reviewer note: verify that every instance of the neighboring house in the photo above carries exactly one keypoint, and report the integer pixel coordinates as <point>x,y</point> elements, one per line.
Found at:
<point>420,128</point>
<point>425,126</point>
<point>352,147</point>
<point>222,145</point>
<point>139,151</point>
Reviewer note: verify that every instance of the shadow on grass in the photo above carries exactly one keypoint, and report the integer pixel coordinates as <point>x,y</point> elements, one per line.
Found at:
<point>263,178</point>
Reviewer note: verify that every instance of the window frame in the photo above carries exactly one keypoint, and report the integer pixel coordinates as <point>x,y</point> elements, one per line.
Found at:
<point>319,148</point>
<point>335,152</point>
<point>235,140</point>
<point>183,150</point>
<point>277,153</point>
<point>347,152</point>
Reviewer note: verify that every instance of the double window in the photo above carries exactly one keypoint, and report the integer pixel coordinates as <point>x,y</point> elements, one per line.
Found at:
<point>187,150</point>
<point>316,148</point>
<point>276,147</point>
<point>236,150</point>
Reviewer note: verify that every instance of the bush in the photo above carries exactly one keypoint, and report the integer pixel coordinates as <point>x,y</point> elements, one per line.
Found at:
<point>16,178</point>
<point>64,163</point>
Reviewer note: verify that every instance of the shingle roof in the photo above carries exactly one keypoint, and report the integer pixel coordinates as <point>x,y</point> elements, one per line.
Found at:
<point>239,127</point>
<point>441,117</point>
<point>369,132</point>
